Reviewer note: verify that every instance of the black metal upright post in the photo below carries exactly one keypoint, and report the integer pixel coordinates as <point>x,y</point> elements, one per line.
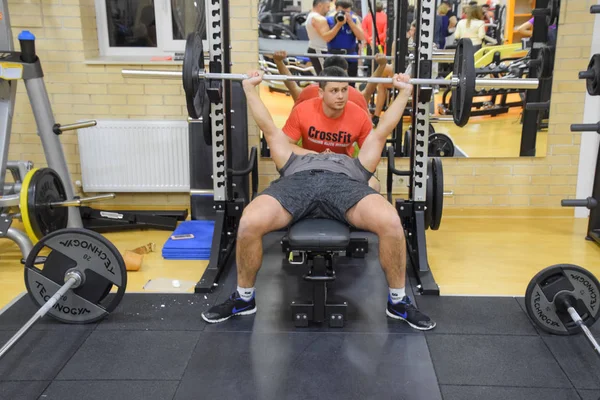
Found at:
<point>531,117</point>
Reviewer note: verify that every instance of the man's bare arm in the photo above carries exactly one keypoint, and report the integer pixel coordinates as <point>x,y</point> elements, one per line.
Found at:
<point>276,139</point>
<point>381,64</point>
<point>321,25</point>
<point>370,152</point>
<point>292,86</point>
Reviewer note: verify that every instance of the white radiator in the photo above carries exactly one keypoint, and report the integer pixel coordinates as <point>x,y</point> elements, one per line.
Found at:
<point>135,156</point>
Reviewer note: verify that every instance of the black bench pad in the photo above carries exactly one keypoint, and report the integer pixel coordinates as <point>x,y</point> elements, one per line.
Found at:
<point>319,234</point>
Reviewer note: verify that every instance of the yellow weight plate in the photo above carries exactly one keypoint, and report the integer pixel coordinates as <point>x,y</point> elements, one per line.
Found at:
<point>24,208</point>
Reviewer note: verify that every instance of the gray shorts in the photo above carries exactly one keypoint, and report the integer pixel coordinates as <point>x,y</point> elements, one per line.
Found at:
<point>318,194</point>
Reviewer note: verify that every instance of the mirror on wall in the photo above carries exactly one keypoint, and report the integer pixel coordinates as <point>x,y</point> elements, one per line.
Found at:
<point>503,32</point>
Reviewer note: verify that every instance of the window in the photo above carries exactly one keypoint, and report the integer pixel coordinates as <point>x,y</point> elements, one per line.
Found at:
<point>147,27</point>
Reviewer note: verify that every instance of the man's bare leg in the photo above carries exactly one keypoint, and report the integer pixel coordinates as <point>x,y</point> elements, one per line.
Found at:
<point>374,214</point>
<point>263,215</point>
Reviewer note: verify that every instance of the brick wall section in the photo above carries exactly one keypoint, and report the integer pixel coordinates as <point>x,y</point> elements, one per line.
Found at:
<point>66,35</point>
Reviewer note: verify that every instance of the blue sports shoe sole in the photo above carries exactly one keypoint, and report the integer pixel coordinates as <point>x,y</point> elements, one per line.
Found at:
<point>216,321</point>
<point>395,316</point>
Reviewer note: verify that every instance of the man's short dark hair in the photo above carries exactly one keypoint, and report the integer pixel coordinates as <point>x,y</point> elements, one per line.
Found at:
<point>336,61</point>
<point>317,2</point>
<point>379,6</point>
<point>331,71</point>
<point>344,3</point>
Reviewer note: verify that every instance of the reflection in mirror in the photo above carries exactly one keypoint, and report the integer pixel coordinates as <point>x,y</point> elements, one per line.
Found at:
<point>293,33</point>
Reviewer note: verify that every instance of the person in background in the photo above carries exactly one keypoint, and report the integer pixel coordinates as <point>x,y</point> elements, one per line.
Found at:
<point>441,25</point>
<point>449,22</point>
<point>472,27</point>
<point>361,98</point>
<point>345,41</point>
<point>367,26</point>
<point>488,15</point>
<point>526,29</point>
<point>319,32</point>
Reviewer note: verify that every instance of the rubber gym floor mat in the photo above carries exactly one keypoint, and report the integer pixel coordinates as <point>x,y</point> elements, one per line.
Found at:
<point>309,365</point>
<point>159,312</point>
<point>589,394</point>
<point>359,282</point>
<point>451,392</point>
<point>39,355</point>
<point>23,390</point>
<point>14,317</point>
<point>465,315</point>
<point>103,390</point>
<point>491,360</point>
<point>577,359</point>
<point>131,355</point>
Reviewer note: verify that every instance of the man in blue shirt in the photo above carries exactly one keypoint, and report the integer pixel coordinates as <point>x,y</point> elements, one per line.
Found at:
<point>345,42</point>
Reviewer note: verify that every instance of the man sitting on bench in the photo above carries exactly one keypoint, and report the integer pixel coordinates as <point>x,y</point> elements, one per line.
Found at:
<point>322,185</point>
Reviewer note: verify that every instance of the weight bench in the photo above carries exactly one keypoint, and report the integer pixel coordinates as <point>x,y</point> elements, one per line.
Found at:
<point>319,241</point>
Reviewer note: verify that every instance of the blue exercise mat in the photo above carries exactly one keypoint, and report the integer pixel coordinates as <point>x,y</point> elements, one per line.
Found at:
<point>196,248</point>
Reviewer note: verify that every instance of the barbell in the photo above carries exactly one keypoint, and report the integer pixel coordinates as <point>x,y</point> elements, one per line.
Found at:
<point>463,82</point>
<point>563,300</point>
<point>72,284</point>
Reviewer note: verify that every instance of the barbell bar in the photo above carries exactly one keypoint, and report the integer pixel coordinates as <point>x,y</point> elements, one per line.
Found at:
<point>436,56</point>
<point>73,279</point>
<point>520,83</point>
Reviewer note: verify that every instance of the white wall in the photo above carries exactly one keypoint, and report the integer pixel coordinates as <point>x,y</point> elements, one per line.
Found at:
<point>590,141</point>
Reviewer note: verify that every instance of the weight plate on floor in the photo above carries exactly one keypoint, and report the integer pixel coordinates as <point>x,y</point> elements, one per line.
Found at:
<point>438,193</point>
<point>593,83</point>
<point>40,187</point>
<point>88,252</point>
<point>561,279</point>
<point>440,145</point>
<point>194,86</point>
<point>464,70</point>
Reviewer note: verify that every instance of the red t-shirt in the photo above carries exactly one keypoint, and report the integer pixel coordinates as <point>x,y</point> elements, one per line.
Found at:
<point>381,21</point>
<point>319,132</point>
<point>354,96</point>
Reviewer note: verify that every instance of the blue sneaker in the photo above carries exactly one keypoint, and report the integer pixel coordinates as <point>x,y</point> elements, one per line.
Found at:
<point>406,311</point>
<point>234,305</point>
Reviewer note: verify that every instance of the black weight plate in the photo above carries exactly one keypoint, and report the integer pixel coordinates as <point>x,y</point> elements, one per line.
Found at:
<point>87,252</point>
<point>429,194</point>
<point>562,279</point>
<point>464,70</point>
<point>45,186</point>
<point>438,193</point>
<point>544,62</point>
<point>193,85</point>
<point>593,84</point>
<point>407,143</point>
<point>440,145</point>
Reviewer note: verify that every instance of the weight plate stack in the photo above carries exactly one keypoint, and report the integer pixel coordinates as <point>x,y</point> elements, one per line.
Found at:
<point>40,187</point>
